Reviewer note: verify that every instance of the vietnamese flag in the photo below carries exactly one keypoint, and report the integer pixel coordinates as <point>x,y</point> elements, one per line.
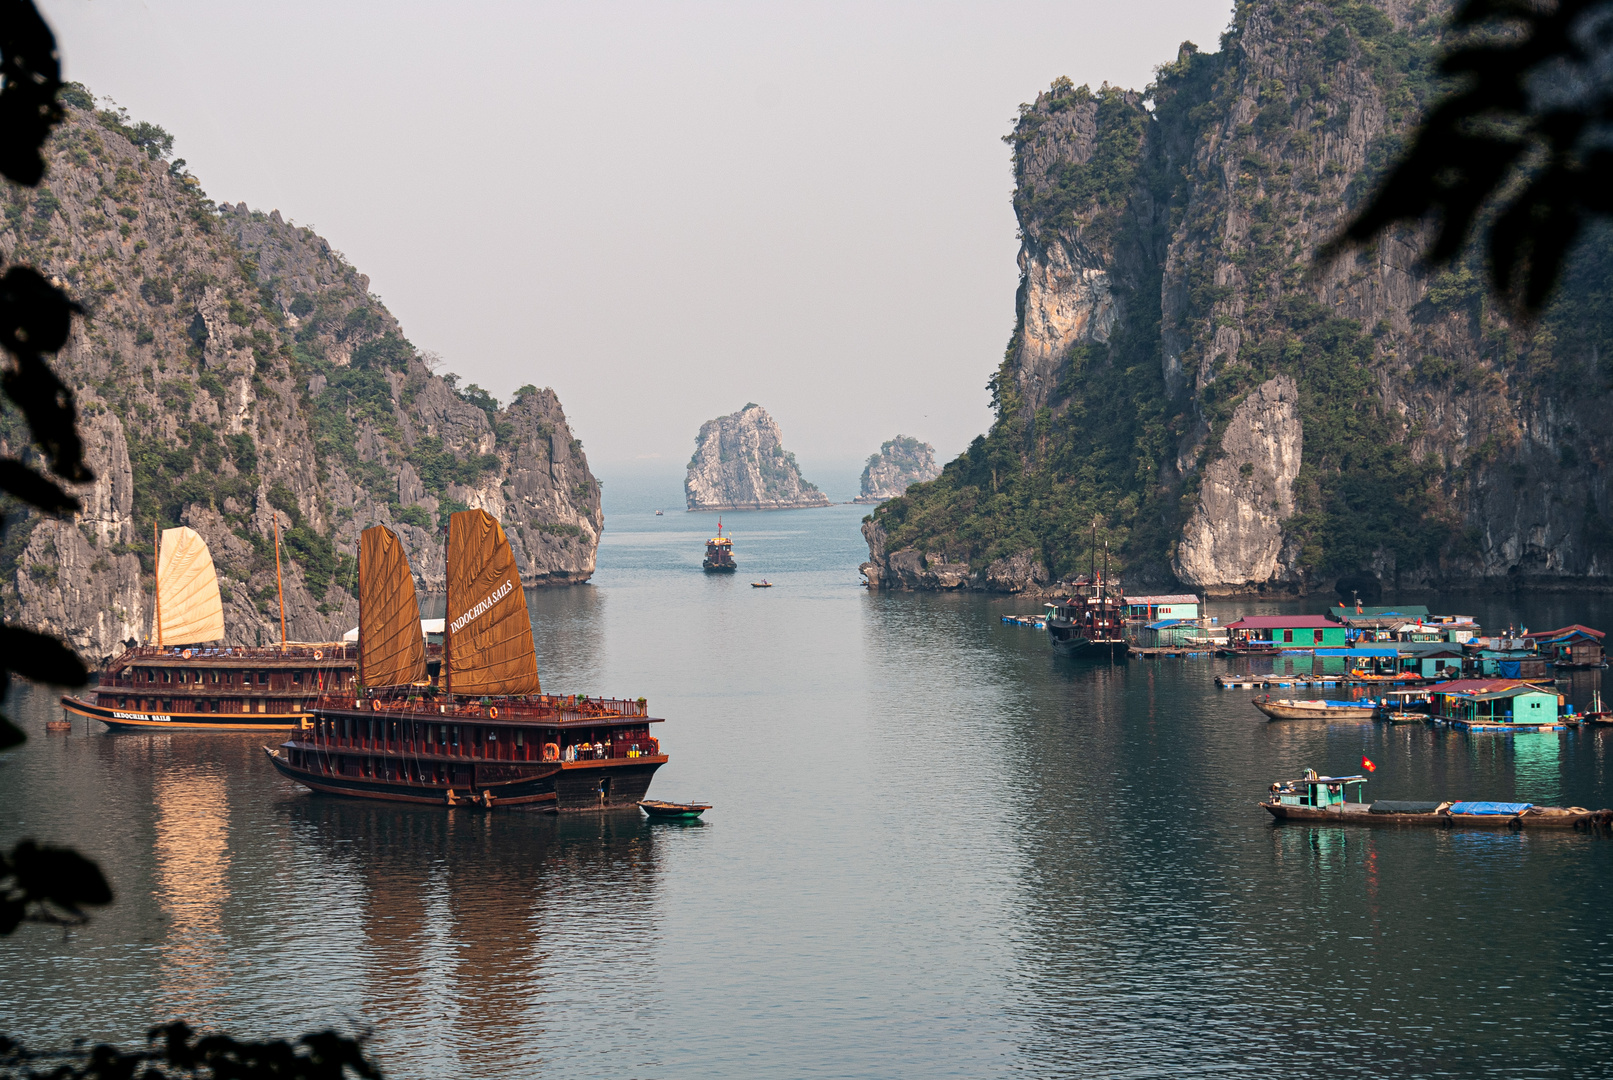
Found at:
<point>1366,763</point>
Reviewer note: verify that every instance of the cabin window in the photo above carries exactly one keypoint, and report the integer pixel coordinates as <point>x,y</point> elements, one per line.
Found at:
<point>215,678</point>
<point>263,678</point>
<point>1318,638</point>
<point>164,704</point>
<point>492,736</point>
<point>518,741</point>
<point>167,676</point>
<point>1288,637</point>
<point>296,678</point>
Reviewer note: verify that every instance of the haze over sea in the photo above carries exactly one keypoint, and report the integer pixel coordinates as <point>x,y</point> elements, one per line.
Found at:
<point>936,850</point>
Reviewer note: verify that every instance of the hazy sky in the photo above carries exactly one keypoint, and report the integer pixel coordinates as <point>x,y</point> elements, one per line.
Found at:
<point>664,211</point>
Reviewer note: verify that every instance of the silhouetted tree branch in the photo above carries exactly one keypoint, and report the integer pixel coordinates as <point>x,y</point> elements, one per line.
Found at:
<point>1525,143</point>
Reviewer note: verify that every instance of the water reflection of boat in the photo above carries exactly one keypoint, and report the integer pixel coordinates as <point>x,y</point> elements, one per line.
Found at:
<point>1318,709</point>
<point>486,734</point>
<point>181,679</point>
<point>1326,799</point>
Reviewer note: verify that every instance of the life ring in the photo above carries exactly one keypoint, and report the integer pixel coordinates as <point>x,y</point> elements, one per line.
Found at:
<point>186,654</point>
<point>551,752</point>
<point>493,713</point>
<point>375,704</point>
<point>319,654</point>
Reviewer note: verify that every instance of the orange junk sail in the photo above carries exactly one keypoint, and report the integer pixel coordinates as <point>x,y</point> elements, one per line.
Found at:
<point>391,649</point>
<point>189,610</point>
<point>489,631</point>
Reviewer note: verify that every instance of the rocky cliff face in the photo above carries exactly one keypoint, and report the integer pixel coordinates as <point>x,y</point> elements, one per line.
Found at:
<point>740,463</point>
<point>900,463</point>
<point>1233,415</point>
<point>231,370</point>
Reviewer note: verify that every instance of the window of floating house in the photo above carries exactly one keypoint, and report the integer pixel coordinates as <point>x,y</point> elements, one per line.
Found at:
<point>1318,637</point>
<point>1288,637</point>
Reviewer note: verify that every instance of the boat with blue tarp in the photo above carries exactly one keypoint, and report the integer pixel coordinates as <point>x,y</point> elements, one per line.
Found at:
<point>1327,799</point>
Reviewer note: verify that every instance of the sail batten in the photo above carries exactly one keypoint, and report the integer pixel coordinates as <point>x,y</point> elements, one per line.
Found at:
<point>392,650</point>
<point>489,631</point>
<point>189,610</point>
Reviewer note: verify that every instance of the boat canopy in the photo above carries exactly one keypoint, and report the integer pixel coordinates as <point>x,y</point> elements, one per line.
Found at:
<point>392,650</point>
<point>189,610</point>
<point>1166,623</point>
<point>427,626</point>
<point>489,643</point>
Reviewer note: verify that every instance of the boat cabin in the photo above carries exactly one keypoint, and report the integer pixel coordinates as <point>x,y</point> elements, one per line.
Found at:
<point>1317,791</point>
<point>267,680</point>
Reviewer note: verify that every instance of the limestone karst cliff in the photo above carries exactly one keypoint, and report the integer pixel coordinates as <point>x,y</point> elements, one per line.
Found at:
<point>740,463</point>
<point>900,463</point>
<point>1237,417</point>
<point>232,368</point>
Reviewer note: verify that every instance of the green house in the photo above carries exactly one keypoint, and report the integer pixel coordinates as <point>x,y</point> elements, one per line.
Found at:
<point>1481,705</point>
<point>1288,631</point>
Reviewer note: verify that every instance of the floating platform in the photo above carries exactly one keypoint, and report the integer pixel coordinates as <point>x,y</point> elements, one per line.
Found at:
<point>1035,622</point>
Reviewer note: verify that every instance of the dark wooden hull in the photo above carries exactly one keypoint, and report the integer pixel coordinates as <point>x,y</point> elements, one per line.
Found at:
<point>550,785</point>
<point>708,568</point>
<point>1087,649</point>
<point>1358,814</point>
<point>130,720</point>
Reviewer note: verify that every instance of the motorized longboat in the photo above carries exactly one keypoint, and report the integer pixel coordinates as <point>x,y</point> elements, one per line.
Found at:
<point>1092,621</point>
<point>183,677</point>
<point>1326,800</point>
<point>1397,707</point>
<point>1317,709</point>
<point>481,732</point>
<point>719,554</point>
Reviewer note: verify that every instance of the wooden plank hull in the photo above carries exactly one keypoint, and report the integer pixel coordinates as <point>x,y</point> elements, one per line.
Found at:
<point>130,720</point>
<point>1358,814</point>
<point>1278,710</point>
<point>554,785</point>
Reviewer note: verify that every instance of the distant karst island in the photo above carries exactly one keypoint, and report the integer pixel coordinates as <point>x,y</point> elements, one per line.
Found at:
<point>740,463</point>
<point>901,461</point>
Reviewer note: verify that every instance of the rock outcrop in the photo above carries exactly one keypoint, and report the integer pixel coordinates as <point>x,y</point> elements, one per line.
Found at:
<point>1236,416</point>
<point>901,462</point>
<point>232,369</point>
<point>740,463</point>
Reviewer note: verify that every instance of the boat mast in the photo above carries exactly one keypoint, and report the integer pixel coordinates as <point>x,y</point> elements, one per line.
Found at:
<point>279,584</point>
<point>448,618</point>
<point>361,613</point>
<point>156,563</point>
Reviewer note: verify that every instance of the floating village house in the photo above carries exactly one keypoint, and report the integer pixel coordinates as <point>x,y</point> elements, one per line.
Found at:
<point>1180,607</point>
<point>1496,705</point>
<point>1570,647</point>
<point>1288,632</point>
<point>1502,658</point>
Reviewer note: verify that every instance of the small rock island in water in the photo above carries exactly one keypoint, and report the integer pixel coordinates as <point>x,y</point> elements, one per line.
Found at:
<point>901,461</point>
<point>740,463</point>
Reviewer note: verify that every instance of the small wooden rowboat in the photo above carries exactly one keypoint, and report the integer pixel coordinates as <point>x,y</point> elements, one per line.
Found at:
<point>1319,709</point>
<point>672,811</point>
<point>762,584</point>
<point>1325,800</point>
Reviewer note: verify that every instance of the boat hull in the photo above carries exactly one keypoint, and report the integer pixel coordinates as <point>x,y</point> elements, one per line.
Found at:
<point>1087,649</point>
<point>551,785</point>
<point>1277,710</point>
<point>1359,814</point>
<point>130,720</point>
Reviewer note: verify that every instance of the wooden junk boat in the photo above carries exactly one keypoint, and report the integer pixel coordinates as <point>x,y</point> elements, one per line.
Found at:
<point>1326,799</point>
<point>719,554</point>
<point>482,733</point>
<point>1318,709</point>
<point>1092,621</point>
<point>182,679</point>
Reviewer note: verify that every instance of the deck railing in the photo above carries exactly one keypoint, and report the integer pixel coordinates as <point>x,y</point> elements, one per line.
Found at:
<point>536,707</point>
<point>246,654</point>
<point>490,750</point>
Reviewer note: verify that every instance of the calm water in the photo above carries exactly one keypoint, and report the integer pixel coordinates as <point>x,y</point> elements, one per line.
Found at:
<point>937,850</point>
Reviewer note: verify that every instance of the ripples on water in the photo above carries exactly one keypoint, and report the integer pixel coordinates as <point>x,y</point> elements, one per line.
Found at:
<point>937,850</point>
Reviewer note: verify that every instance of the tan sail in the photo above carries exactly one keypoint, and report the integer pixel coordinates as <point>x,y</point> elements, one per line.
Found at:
<point>489,635</point>
<point>189,611</point>
<point>392,651</point>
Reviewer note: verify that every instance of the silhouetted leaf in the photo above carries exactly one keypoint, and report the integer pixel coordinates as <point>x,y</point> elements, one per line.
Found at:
<point>1519,141</point>
<point>47,660</point>
<point>35,317</point>
<point>34,489</point>
<point>60,876</point>
<point>10,734</point>
<point>28,106</point>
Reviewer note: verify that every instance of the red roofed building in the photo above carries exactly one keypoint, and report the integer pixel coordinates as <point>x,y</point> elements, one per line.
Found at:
<point>1288,631</point>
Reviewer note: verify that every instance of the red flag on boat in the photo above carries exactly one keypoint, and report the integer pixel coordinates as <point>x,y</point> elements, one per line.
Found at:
<point>1366,763</point>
